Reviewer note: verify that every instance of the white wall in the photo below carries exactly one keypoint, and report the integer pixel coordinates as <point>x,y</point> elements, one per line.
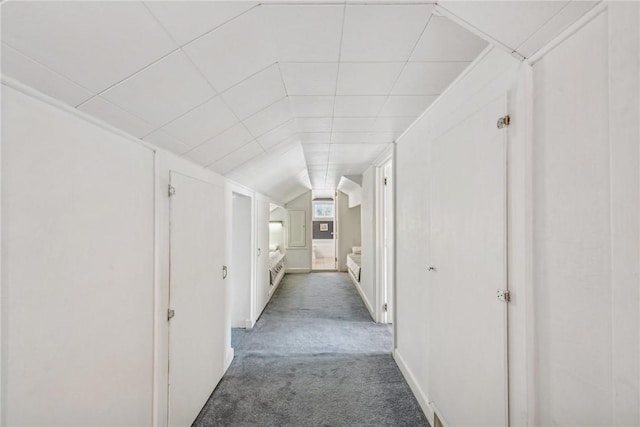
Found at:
<point>240,271</point>
<point>78,245</point>
<point>299,258</point>
<point>586,224</point>
<point>349,229</point>
<point>85,265</point>
<point>574,190</point>
<point>368,267</point>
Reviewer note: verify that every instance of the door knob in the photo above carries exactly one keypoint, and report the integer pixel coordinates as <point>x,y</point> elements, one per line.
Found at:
<point>224,272</point>
<point>431,268</point>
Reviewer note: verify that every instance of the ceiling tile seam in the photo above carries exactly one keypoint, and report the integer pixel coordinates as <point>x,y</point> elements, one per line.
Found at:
<point>181,116</point>
<point>229,154</point>
<point>415,45</point>
<point>286,91</point>
<point>544,24</point>
<point>263,109</point>
<point>214,28</point>
<point>46,67</point>
<point>126,111</point>
<point>335,93</point>
<point>121,81</point>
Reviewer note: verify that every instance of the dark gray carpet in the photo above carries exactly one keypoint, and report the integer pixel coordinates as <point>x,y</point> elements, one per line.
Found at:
<point>314,358</point>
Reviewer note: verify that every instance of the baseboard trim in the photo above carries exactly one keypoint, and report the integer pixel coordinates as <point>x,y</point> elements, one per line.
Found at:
<point>228,359</point>
<point>297,270</point>
<point>363,296</point>
<point>422,398</point>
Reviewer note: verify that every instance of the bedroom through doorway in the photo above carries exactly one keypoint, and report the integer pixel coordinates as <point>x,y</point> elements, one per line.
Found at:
<point>323,239</point>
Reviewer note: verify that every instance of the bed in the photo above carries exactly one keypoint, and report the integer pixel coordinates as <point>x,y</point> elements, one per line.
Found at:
<point>353,266</point>
<point>276,267</point>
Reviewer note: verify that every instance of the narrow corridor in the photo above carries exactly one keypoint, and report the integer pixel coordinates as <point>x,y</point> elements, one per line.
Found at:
<point>314,358</point>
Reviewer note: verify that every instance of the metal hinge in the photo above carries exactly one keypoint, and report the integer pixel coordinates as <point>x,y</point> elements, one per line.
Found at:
<point>385,307</point>
<point>172,190</point>
<point>504,121</point>
<point>503,295</point>
<point>385,181</point>
<point>336,259</point>
<point>170,314</point>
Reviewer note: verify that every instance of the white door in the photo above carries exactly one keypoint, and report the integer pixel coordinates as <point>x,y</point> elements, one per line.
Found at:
<point>467,363</point>
<point>196,294</point>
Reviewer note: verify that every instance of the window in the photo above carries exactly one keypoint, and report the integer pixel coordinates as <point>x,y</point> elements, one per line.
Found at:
<point>322,210</point>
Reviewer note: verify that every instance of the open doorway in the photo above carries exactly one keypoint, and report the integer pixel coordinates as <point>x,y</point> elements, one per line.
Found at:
<point>323,239</point>
<point>240,271</point>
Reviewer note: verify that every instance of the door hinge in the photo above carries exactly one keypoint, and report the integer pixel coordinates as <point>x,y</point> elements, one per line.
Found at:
<point>170,314</point>
<point>385,181</point>
<point>385,307</point>
<point>503,295</point>
<point>172,190</point>
<point>504,121</point>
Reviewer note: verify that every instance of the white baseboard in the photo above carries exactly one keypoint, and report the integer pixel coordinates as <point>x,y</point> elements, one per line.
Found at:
<point>228,359</point>
<point>422,399</point>
<point>297,270</point>
<point>248,324</point>
<point>363,296</point>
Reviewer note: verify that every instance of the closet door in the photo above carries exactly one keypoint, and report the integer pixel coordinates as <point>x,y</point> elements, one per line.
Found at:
<point>467,363</point>
<point>297,229</point>
<point>196,294</point>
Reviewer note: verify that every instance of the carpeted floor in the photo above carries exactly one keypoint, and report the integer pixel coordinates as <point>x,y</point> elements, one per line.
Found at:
<point>314,358</point>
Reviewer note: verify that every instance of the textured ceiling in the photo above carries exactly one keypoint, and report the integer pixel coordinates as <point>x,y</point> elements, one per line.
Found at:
<point>279,97</point>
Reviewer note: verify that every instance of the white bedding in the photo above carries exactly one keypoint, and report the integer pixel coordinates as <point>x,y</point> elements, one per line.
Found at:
<point>353,264</point>
<point>276,264</point>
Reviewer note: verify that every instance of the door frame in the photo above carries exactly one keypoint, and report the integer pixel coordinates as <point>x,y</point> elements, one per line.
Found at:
<point>384,262</point>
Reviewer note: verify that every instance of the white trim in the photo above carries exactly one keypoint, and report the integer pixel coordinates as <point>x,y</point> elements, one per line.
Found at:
<point>362,295</point>
<point>443,11</point>
<point>227,361</point>
<point>29,91</point>
<point>420,396</point>
<point>385,156</point>
<point>568,32</point>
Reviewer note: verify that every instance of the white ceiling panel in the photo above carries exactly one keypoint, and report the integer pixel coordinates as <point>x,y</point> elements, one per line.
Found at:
<point>409,105</point>
<point>202,123</point>
<point>553,27</point>
<point>316,154</point>
<point>509,22</point>
<point>163,91</point>
<point>255,93</point>
<point>234,51</point>
<point>166,141</point>
<point>116,116</point>
<point>309,78</point>
<point>372,78</point>
<point>427,78</point>
<point>47,81</point>
<point>238,157</point>
<point>216,148</point>
<point>79,39</point>
<point>444,40</point>
<point>269,118</point>
<point>353,124</point>
<point>314,124</point>
<point>358,106</point>
<point>315,137</point>
<point>283,145</point>
<point>186,20</point>
<point>354,153</point>
<point>392,124</point>
<point>383,137</point>
<point>382,32</point>
<point>277,135</point>
<point>312,105</point>
<point>350,138</point>
<point>309,33</point>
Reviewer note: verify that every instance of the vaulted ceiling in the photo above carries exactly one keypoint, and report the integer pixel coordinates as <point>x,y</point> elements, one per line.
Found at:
<point>281,97</point>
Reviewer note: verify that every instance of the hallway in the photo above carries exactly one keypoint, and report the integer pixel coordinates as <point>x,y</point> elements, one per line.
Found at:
<point>313,358</point>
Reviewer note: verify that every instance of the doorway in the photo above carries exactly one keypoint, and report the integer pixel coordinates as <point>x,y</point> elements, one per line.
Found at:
<point>323,239</point>
<point>240,271</point>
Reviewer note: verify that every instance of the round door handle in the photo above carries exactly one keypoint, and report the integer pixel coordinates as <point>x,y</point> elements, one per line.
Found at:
<point>224,272</point>
<point>431,268</point>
